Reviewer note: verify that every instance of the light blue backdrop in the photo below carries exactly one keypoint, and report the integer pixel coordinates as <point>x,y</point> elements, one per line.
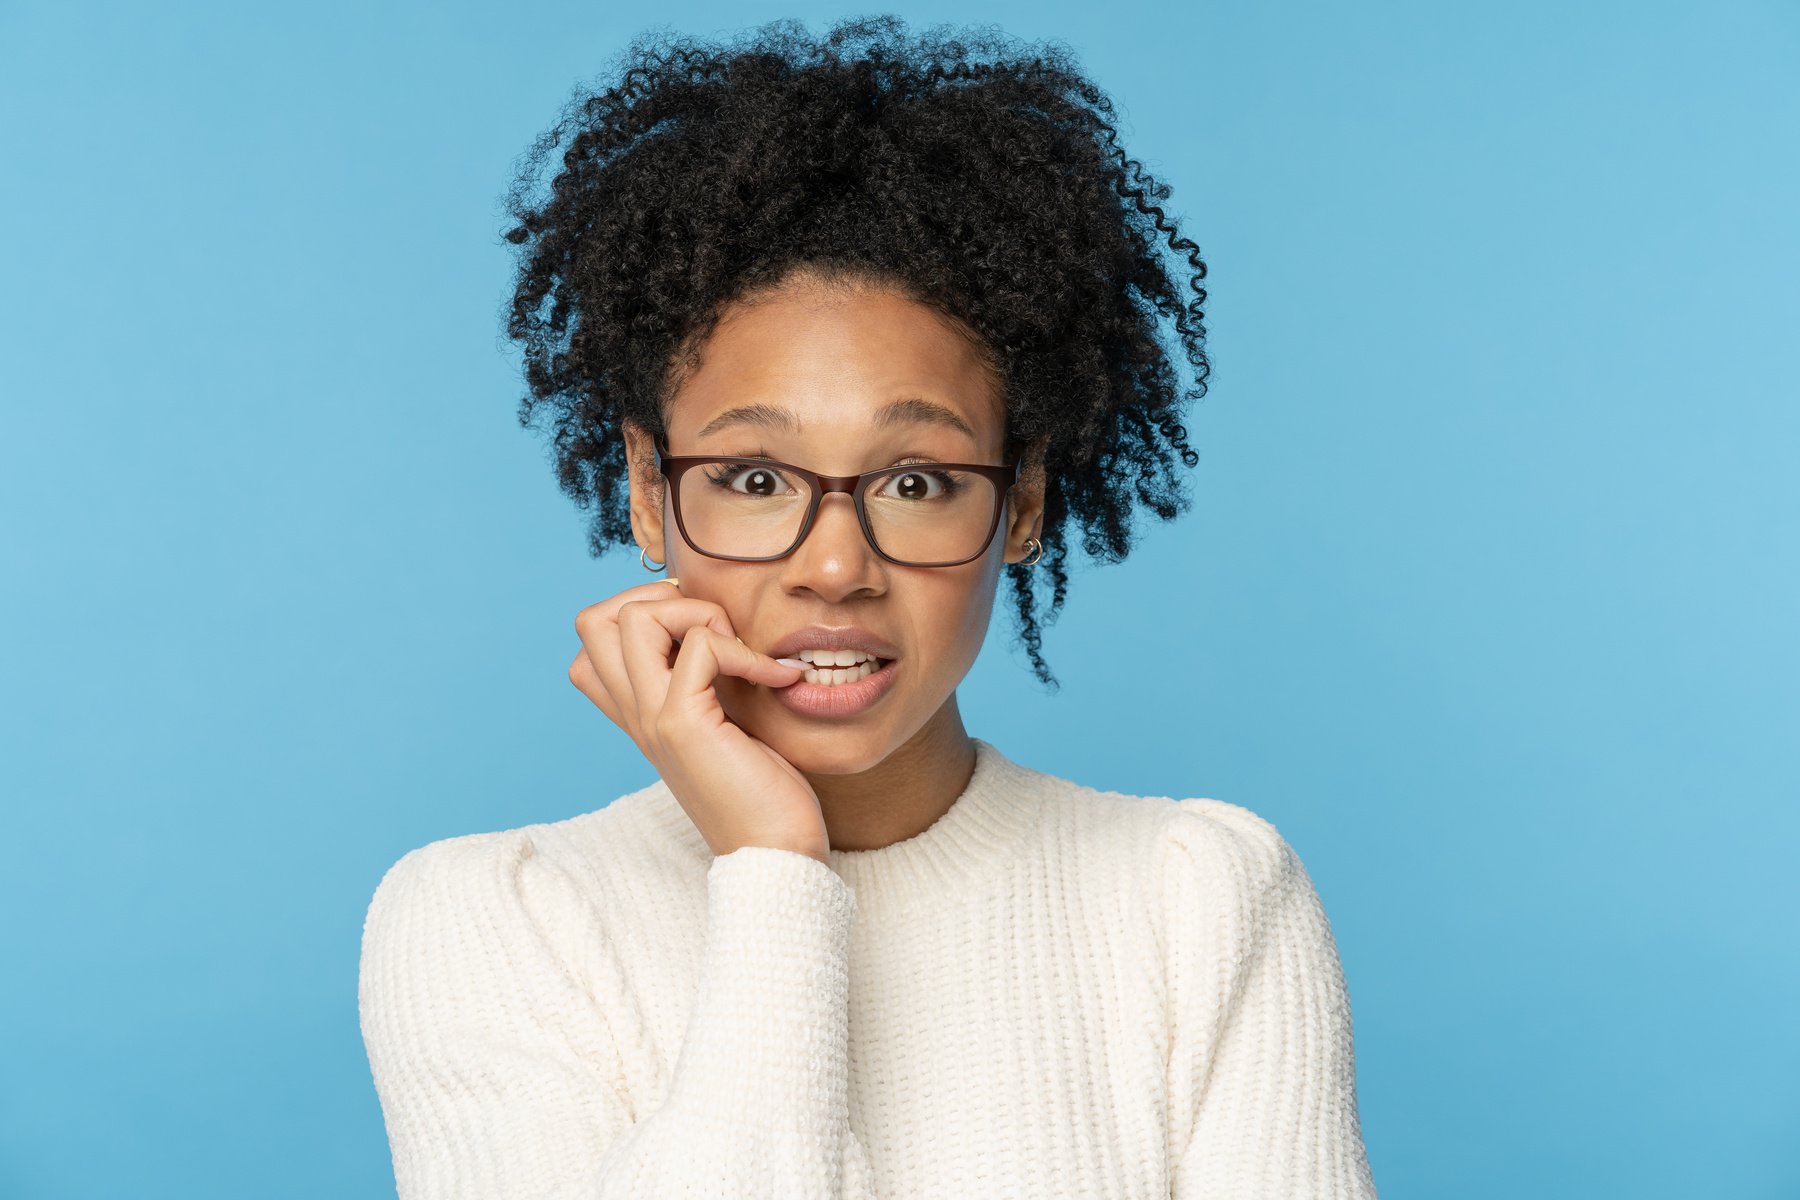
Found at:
<point>1487,598</point>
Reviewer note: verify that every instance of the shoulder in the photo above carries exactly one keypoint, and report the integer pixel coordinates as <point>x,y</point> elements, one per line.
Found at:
<point>1233,882</point>
<point>1195,861</point>
<point>1194,825</point>
<point>1209,840</point>
<point>474,872</point>
<point>1227,872</point>
<point>1226,843</point>
<point>486,893</point>
<point>445,871</point>
<point>475,939</point>
<point>467,927</point>
<point>457,897</point>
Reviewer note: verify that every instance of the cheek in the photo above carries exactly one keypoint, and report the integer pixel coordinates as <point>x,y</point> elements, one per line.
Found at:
<point>720,583</point>
<point>704,578</point>
<point>960,607</point>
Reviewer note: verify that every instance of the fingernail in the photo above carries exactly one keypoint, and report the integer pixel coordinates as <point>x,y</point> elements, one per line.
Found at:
<point>794,662</point>
<point>676,581</point>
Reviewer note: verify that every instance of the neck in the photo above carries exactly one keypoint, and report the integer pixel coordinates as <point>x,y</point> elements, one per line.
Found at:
<point>906,792</point>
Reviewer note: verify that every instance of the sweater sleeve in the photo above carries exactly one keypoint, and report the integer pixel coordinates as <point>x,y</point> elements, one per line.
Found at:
<point>1262,1068</point>
<point>498,1072</point>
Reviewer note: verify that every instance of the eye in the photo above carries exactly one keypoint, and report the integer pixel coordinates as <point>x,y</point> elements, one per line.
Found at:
<point>756,480</point>
<point>920,485</point>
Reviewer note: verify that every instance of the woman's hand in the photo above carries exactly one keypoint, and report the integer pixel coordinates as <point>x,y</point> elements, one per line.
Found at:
<point>736,790</point>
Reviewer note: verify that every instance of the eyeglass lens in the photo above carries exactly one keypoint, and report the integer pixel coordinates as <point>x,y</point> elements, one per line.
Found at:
<point>919,513</point>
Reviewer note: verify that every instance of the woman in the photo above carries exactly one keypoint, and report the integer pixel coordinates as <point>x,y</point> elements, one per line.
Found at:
<point>838,334</point>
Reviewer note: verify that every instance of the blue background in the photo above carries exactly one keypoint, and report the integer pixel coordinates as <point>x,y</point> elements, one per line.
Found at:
<point>1486,599</point>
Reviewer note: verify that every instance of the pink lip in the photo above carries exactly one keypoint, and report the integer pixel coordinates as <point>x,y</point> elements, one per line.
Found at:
<point>826,637</point>
<point>837,700</point>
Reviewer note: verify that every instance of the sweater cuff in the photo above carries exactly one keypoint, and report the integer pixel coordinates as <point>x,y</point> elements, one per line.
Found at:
<point>767,1043</point>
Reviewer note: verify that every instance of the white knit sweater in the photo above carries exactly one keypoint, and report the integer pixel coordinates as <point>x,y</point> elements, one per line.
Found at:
<point>1052,991</point>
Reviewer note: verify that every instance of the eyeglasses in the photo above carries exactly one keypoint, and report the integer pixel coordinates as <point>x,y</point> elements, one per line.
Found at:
<point>918,514</point>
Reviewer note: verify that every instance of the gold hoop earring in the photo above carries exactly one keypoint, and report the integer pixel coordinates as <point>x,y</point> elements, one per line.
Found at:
<point>1036,552</point>
<point>646,565</point>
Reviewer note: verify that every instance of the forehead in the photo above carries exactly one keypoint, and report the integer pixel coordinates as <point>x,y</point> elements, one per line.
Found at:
<point>811,361</point>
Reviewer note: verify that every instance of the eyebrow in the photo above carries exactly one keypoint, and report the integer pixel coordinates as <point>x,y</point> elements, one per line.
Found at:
<point>911,410</point>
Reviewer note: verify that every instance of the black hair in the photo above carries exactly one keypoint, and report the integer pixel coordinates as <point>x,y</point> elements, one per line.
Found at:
<point>981,177</point>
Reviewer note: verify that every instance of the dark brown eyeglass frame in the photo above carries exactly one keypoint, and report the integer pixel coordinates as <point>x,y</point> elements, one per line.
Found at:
<point>673,466</point>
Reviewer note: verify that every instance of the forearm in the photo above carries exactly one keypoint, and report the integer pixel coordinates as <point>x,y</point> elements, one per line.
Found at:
<point>763,1077</point>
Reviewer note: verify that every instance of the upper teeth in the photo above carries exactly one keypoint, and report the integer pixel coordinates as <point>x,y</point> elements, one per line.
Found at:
<point>835,658</point>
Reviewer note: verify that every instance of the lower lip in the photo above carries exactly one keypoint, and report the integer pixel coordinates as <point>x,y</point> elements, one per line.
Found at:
<point>837,700</point>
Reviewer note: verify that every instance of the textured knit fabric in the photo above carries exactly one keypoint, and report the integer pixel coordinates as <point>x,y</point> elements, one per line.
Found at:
<point>1053,991</point>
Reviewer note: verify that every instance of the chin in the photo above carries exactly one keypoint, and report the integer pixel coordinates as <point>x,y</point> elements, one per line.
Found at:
<point>829,749</point>
<point>816,747</point>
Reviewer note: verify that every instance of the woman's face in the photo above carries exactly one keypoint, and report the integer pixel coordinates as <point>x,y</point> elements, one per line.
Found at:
<point>832,359</point>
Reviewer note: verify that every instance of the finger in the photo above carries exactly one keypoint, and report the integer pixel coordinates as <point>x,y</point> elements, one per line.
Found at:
<point>608,609</point>
<point>709,656</point>
<point>598,628</point>
<point>600,652</point>
<point>587,682</point>
<point>648,631</point>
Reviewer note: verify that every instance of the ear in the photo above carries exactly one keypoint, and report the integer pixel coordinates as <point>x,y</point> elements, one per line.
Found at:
<point>647,490</point>
<point>1025,504</point>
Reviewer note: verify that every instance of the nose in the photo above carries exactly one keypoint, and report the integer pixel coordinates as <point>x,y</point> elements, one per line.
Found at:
<point>835,560</point>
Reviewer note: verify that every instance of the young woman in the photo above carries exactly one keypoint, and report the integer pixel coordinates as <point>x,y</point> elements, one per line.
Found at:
<point>840,333</point>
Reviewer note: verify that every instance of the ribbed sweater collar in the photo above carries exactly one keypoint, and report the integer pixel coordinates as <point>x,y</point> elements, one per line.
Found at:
<point>961,851</point>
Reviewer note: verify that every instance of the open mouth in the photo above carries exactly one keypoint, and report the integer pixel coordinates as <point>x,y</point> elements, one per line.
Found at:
<point>836,676</point>
<point>827,689</point>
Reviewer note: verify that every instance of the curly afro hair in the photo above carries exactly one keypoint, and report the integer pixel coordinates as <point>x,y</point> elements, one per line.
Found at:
<point>978,177</point>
